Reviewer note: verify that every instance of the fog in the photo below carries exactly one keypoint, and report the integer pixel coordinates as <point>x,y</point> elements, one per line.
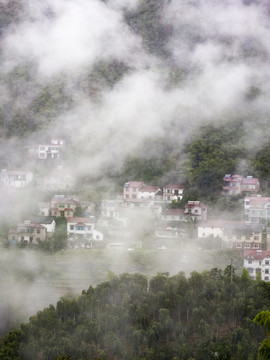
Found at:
<point>201,67</point>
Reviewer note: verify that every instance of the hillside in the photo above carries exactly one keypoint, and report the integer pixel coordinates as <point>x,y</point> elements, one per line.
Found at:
<point>165,98</point>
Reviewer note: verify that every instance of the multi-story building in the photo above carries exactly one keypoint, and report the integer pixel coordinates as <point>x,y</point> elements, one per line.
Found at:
<point>236,184</point>
<point>243,236</point>
<point>196,210</point>
<point>17,178</point>
<point>52,150</point>
<point>257,209</point>
<point>210,228</point>
<point>150,192</point>
<point>28,232</point>
<point>62,206</point>
<point>131,189</point>
<point>173,215</point>
<point>173,192</point>
<point>257,261</point>
<point>82,232</point>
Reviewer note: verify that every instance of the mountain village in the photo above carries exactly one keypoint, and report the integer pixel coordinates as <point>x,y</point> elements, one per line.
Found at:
<point>142,216</point>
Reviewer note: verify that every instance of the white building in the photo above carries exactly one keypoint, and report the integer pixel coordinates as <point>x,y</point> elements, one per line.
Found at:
<point>173,192</point>
<point>148,192</point>
<point>257,261</point>
<point>210,228</point>
<point>83,228</point>
<point>17,178</point>
<point>257,208</point>
<point>52,150</point>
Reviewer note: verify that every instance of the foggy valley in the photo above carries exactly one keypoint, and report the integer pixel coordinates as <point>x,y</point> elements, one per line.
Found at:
<point>134,140</point>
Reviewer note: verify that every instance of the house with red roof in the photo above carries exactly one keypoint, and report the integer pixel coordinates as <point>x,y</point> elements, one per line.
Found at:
<point>257,262</point>
<point>196,210</point>
<point>27,232</point>
<point>81,231</point>
<point>243,235</point>
<point>131,189</point>
<point>62,206</point>
<point>236,184</point>
<point>149,192</point>
<point>174,215</point>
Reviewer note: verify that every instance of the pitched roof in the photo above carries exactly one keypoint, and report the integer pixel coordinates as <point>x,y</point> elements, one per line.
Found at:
<point>149,188</point>
<point>174,186</point>
<point>83,220</point>
<point>250,181</point>
<point>173,212</point>
<point>258,201</point>
<point>31,225</point>
<point>256,254</point>
<point>133,184</point>
<point>191,204</point>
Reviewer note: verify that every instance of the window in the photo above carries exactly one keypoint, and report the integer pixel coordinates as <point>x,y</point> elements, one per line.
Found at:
<point>127,196</point>
<point>38,239</point>
<point>79,227</point>
<point>266,271</point>
<point>266,262</point>
<point>89,228</point>
<point>247,245</point>
<point>256,246</point>
<point>266,278</point>
<point>38,231</point>
<point>133,196</point>
<point>61,205</point>
<point>250,261</point>
<point>256,237</point>
<point>71,227</point>
<point>238,245</point>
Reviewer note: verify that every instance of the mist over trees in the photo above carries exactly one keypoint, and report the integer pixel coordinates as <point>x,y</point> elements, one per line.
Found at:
<point>159,91</point>
<point>207,315</point>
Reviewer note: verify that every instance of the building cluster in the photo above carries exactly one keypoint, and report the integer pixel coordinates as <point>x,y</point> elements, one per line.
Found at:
<point>237,184</point>
<point>145,211</point>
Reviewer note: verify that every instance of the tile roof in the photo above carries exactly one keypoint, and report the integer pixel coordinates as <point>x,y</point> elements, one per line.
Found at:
<point>256,254</point>
<point>174,212</point>
<point>174,186</point>
<point>77,220</point>
<point>149,188</point>
<point>134,184</point>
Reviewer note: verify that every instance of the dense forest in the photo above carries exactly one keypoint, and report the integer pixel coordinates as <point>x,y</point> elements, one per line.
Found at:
<point>209,315</point>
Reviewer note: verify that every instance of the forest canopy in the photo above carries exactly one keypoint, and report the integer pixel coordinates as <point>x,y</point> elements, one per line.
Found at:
<point>165,317</point>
